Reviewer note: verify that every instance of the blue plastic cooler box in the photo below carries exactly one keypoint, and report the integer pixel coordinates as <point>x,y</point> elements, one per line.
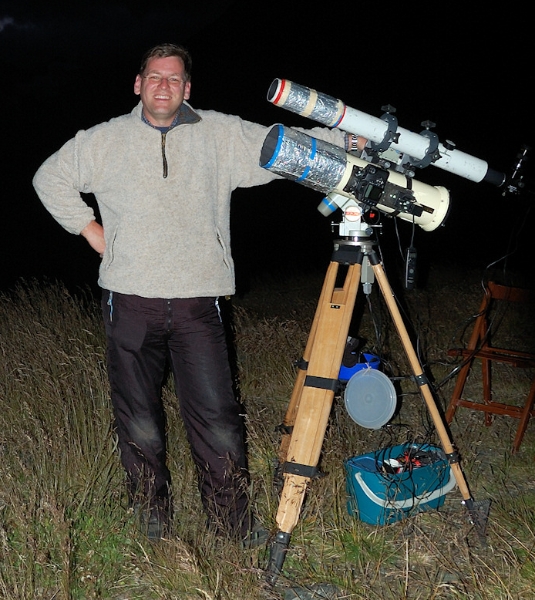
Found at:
<point>378,497</point>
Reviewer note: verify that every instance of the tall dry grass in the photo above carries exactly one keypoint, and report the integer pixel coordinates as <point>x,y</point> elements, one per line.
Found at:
<point>66,533</point>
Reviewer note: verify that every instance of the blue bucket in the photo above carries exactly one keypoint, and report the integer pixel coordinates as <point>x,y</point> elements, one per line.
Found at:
<point>371,362</point>
<point>379,495</point>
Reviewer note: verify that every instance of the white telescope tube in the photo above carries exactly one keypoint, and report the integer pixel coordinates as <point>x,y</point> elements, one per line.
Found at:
<point>327,168</point>
<point>334,113</point>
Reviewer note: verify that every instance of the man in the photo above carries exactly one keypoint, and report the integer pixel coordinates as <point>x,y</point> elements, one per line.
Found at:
<point>163,176</point>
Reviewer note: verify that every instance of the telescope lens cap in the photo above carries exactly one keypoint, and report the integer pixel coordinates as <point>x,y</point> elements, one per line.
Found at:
<point>370,398</point>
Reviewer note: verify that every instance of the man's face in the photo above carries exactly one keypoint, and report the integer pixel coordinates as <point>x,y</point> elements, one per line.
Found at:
<point>162,88</point>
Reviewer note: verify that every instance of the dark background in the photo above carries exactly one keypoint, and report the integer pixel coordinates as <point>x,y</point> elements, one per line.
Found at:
<point>470,71</point>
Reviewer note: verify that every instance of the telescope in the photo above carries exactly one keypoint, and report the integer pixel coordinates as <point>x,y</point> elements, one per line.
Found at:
<point>386,140</point>
<point>351,183</point>
<point>381,179</point>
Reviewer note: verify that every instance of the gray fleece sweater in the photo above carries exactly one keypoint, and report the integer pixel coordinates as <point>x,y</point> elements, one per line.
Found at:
<point>166,237</point>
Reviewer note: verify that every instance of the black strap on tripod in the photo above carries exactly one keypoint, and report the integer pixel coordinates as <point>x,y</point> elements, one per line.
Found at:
<point>323,383</point>
<point>293,468</point>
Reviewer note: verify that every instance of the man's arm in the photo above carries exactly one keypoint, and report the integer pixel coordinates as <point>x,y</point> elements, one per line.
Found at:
<point>58,183</point>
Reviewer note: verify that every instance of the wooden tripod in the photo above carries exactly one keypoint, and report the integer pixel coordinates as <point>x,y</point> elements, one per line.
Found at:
<point>310,405</point>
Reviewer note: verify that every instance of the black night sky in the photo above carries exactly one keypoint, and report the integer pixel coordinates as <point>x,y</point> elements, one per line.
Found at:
<point>66,67</point>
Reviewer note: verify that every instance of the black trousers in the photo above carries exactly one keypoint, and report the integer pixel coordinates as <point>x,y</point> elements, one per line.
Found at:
<point>144,337</point>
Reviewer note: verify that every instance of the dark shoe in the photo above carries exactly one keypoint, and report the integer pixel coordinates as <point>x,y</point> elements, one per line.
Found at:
<point>154,522</point>
<point>258,536</point>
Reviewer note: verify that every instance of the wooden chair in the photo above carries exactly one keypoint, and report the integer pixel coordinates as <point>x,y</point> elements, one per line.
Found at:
<point>479,347</point>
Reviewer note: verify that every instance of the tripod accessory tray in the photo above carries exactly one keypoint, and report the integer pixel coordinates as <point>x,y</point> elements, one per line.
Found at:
<point>397,482</point>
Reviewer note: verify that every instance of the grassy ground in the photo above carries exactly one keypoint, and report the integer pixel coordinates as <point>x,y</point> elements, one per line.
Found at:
<point>66,533</point>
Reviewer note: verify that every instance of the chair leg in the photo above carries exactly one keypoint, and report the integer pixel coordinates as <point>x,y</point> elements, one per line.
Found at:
<point>458,391</point>
<point>524,418</point>
<point>487,388</point>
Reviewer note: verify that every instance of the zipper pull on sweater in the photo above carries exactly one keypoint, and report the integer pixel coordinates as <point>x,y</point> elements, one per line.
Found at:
<point>164,158</point>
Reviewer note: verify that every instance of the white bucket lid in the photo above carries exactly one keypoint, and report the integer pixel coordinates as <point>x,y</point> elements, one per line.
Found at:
<point>370,398</point>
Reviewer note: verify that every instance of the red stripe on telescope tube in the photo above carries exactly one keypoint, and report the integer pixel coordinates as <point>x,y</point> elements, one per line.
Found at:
<point>283,83</point>
<point>341,118</point>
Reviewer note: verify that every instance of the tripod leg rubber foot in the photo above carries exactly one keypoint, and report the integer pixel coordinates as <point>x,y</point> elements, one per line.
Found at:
<point>277,555</point>
<point>478,511</point>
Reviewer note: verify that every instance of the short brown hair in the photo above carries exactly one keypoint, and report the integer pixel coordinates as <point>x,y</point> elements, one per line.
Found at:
<point>164,51</point>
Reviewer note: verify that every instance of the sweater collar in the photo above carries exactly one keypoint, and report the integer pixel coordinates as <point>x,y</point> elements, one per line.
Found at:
<point>185,116</point>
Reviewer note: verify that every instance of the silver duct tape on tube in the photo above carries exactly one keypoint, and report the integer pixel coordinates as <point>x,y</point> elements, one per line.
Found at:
<point>327,168</point>
<point>324,109</point>
<point>334,113</point>
<point>306,102</point>
<point>302,158</point>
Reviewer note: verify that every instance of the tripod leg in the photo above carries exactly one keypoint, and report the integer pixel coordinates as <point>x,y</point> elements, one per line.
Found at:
<point>315,394</point>
<point>293,406</point>
<point>476,512</point>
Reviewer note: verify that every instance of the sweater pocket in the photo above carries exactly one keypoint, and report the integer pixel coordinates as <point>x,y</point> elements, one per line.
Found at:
<point>107,260</point>
<point>226,254</point>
